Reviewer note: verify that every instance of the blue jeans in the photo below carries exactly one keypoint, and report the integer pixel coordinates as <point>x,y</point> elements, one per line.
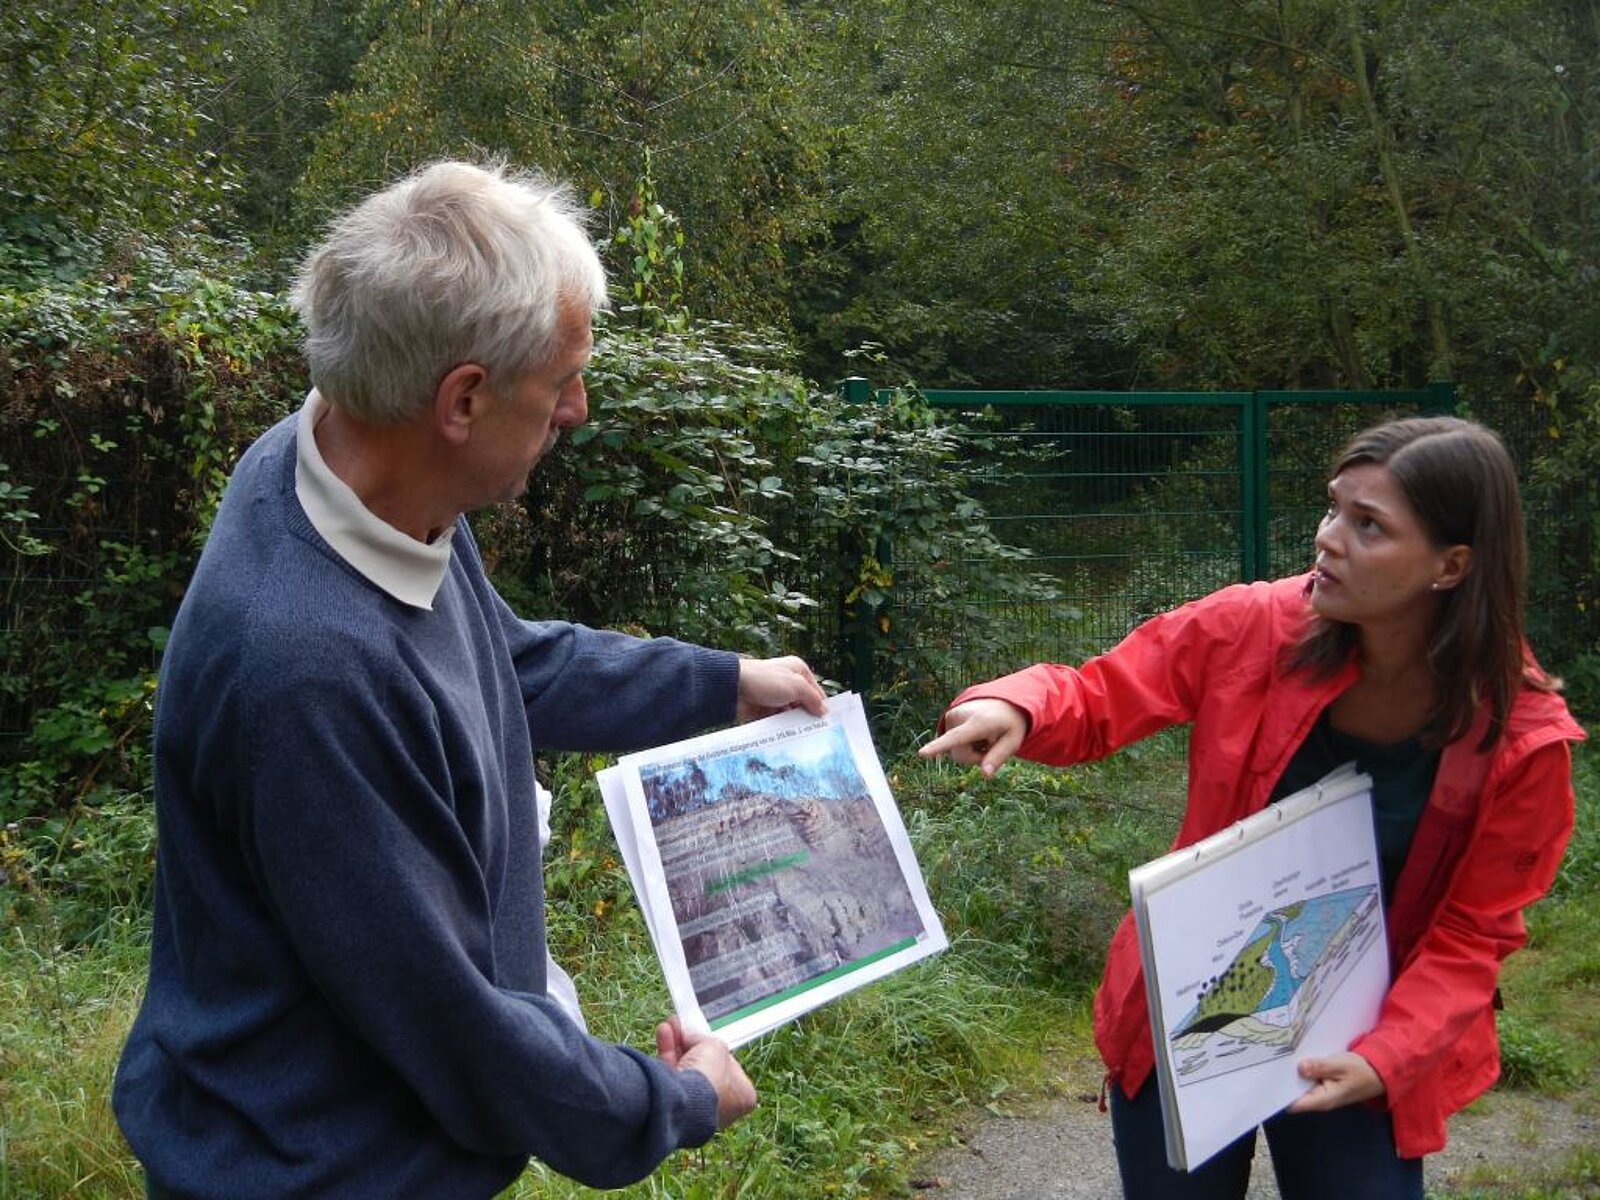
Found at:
<point>1346,1154</point>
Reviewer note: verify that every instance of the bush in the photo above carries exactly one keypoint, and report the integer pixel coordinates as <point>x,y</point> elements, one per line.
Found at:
<point>127,402</point>
<point>716,496</point>
<point>1580,866</point>
<point>1033,863</point>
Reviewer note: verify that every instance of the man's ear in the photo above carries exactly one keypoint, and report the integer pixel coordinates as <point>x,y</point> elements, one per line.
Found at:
<point>1454,565</point>
<point>458,401</point>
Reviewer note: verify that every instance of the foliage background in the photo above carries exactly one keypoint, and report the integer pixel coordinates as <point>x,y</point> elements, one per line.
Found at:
<point>1092,194</point>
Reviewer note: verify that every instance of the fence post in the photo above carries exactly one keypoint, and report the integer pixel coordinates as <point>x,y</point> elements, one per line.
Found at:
<point>1253,550</point>
<point>1441,399</point>
<point>855,644</point>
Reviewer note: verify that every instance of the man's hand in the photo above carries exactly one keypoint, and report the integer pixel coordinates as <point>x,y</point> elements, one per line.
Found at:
<point>685,1051</point>
<point>1339,1079</point>
<point>771,685</point>
<point>986,732</point>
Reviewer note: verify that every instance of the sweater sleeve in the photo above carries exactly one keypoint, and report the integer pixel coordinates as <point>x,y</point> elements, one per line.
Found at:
<point>594,689</point>
<point>602,690</point>
<point>1449,978</point>
<point>350,826</point>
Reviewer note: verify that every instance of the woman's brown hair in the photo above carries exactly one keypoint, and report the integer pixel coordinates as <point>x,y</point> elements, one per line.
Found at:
<point>1462,485</point>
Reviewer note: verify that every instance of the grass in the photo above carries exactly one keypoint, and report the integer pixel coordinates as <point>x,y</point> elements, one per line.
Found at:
<point>1571,1179</point>
<point>1550,1029</point>
<point>1029,874</point>
<point>1549,1048</point>
<point>63,1016</point>
<point>1027,871</point>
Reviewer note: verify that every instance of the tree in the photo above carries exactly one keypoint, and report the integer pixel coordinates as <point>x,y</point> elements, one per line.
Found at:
<point>285,58</point>
<point>709,100</point>
<point>1185,193</point>
<point>954,237</point>
<point>100,126</point>
<point>1330,186</point>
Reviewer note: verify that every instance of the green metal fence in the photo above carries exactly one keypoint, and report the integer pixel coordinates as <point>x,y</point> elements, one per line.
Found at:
<point>1134,502</point>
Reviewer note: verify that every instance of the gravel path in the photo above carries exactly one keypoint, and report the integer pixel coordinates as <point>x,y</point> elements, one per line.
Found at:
<point>1060,1149</point>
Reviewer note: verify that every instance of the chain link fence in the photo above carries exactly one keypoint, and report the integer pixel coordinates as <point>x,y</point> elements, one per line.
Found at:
<point>1133,503</point>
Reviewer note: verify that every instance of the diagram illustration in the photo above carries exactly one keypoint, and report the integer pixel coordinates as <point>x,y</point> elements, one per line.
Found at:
<point>1290,966</point>
<point>772,867</point>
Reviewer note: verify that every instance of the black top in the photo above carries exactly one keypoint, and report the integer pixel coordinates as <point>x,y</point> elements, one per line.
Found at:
<point>1402,776</point>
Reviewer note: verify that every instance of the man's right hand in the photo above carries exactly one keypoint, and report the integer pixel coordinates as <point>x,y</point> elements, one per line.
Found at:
<point>686,1051</point>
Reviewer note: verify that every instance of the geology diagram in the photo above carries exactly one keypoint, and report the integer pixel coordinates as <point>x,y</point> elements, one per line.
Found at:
<point>1289,969</point>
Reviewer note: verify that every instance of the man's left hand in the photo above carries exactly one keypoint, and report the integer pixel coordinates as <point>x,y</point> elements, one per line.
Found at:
<point>772,685</point>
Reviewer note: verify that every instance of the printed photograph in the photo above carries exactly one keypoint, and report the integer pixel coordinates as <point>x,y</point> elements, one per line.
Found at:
<point>778,867</point>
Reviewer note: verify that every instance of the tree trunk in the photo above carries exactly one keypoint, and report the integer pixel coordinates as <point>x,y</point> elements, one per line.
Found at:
<point>1383,147</point>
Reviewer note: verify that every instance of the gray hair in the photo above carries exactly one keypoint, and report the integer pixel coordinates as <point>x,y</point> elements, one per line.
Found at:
<point>455,263</point>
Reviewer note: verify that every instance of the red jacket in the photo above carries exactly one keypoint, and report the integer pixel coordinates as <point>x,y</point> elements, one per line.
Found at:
<point>1487,845</point>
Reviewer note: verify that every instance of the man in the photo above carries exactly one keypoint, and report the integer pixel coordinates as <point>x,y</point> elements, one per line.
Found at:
<point>349,990</point>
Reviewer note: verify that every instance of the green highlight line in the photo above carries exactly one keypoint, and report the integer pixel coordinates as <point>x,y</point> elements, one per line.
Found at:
<point>771,866</point>
<point>814,982</point>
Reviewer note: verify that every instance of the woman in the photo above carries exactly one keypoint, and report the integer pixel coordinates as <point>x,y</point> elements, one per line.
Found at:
<point>1403,649</point>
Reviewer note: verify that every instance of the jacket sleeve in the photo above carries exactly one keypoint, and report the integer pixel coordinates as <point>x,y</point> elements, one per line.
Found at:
<point>1448,980</point>
<point>1155,677</point>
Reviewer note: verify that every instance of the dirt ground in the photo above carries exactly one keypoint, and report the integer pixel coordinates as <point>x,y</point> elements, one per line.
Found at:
<point>1060,1148</point>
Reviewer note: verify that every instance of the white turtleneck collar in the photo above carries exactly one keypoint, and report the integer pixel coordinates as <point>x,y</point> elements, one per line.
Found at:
<point>409,570</point>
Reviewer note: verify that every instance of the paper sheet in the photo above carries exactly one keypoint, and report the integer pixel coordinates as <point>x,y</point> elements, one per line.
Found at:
<point>1262,945</point>
<point>772,866</point>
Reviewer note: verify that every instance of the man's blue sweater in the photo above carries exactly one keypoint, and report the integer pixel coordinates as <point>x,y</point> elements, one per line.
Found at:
<point>347,979</point>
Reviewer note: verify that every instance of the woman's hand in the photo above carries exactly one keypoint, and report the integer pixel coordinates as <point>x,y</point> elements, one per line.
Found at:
<point>986,732</point>
<point>1338,1079</point>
